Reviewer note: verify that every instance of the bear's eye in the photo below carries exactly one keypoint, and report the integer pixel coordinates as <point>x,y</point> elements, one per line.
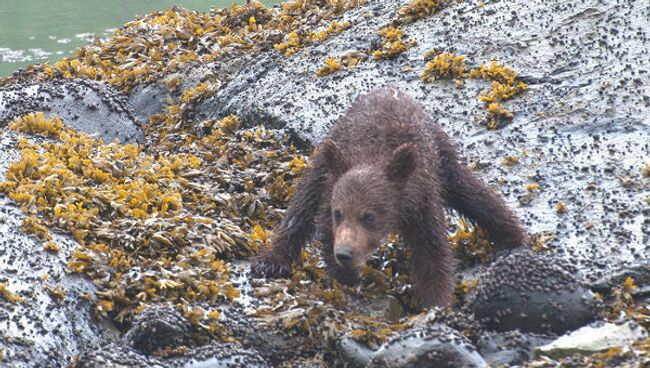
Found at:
<point>337,217</point>
<point>368,219</point>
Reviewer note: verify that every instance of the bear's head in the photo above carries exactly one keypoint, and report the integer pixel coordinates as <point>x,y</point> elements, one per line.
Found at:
<point>364,201</point>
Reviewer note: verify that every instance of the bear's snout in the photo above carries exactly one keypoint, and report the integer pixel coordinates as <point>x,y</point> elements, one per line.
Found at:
<point>344,255</point>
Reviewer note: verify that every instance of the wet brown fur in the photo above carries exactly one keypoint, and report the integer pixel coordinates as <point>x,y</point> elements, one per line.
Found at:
<point>387,158</point>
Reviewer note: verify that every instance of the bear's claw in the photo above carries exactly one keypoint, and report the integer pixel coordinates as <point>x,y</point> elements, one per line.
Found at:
<point>265,267</point>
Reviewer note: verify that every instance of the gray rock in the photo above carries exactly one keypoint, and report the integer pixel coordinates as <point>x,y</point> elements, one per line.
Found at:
<point>594,338</point>
<point>352,354</point>
<point>89,106</point>
<point>40,331</point>
<point>509,348</point>
<point>432,346</point>
<point>533,292</point>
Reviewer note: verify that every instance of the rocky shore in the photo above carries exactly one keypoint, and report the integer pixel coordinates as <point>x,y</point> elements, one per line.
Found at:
<point>138,177</point>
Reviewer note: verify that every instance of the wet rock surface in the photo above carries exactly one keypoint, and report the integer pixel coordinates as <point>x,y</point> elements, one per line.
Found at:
<point>159,328</point>
<point>534,293</point>
<point>87,106</point>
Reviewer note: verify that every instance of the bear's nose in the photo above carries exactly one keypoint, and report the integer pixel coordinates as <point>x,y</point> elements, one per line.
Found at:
<point>344,255</point>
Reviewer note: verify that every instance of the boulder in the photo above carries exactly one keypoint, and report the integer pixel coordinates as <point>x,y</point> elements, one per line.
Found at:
<point>533,292</point>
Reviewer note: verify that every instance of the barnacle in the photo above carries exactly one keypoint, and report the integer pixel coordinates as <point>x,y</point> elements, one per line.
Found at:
<point>645,170</point>
<point>392,43</point>
<point>444,65</point>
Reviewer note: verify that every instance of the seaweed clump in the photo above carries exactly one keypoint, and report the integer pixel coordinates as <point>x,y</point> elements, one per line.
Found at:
<point>392,43</point>
<point>151,228</point>
<point>347,60</point>
<point>418,9</point>
<point>7,295</point>
<point>504,87</point>
<point>470,243</point>
<point>444,65</point>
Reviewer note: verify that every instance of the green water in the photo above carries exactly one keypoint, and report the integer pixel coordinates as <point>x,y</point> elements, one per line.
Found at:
<point>35,31</point>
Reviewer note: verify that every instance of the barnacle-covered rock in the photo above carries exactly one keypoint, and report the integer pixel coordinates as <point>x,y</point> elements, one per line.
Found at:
<point>44,318</point>
<point>533,292</point>
<point>114,356</point>
<point>510,348</point>
<point>432,346</point>
<point>158,328</point>
<point>85,105</point>
<point>219,356</point>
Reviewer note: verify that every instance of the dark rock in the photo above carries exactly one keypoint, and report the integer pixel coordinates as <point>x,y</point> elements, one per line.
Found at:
<point>509,348</point>
<point>157,328</point>
<point>432,346</point>
<point>533,292</point>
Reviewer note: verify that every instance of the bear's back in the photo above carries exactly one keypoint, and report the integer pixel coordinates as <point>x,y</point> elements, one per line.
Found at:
<point>378,122</point>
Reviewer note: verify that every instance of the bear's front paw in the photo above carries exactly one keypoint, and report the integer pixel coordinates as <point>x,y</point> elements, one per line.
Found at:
<point>265,266</point>
<point>428,298</point>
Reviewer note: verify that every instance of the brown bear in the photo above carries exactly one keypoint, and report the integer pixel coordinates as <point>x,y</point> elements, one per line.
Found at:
<point>386,166</point>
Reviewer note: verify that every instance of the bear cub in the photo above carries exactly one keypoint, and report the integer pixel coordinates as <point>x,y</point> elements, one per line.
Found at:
<point>384,167</point>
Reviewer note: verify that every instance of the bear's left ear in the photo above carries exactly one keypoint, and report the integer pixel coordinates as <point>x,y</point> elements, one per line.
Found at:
<point>402,163</point>
<point>333,158</point>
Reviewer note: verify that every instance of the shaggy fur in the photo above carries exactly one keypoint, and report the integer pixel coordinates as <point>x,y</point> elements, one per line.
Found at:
<point>386,166</point>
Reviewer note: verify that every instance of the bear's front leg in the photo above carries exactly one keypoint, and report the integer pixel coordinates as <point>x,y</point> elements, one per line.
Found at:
<point>296,227</point>
<point>433,261</point>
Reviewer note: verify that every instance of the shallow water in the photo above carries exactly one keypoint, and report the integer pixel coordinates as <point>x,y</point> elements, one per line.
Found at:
<point>35,31</point>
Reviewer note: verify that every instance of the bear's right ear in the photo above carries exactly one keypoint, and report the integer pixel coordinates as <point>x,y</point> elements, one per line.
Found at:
<point>333,158</point>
